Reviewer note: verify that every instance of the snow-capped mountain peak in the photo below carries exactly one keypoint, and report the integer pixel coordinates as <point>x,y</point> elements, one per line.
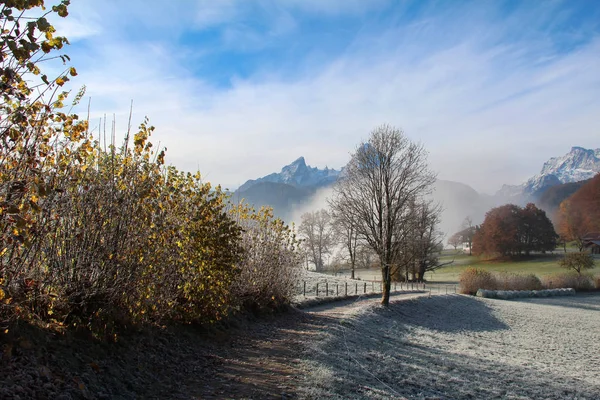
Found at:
<point>298,174</point>
<point>577,165</point>
<point>297,168</point>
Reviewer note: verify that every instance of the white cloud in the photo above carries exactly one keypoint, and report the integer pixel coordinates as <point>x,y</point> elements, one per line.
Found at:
<point>487,114</point>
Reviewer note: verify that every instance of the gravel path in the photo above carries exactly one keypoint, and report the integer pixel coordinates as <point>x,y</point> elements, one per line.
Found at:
<point>455,347</point>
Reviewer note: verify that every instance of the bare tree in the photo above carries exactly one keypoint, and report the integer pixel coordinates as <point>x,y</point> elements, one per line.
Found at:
<point>384,176</point>
<point>316,230</point>
<point>365,257</point>
<point>427,239</point>
<point>420,242</point>
<point>467,233</point>
<point>347,233</point>
<point>455,240</point>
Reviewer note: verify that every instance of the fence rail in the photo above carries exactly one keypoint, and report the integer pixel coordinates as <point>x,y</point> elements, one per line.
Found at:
<point>326,289</point>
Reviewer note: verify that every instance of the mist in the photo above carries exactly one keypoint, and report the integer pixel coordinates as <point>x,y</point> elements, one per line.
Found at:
<point>457,200</point>
<point>317,202</point>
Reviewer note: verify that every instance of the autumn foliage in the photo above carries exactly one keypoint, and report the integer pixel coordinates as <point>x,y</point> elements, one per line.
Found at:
<point>268,273</point>
<point>512,230</point>
<point>580,214</point>
<point>102,235</point>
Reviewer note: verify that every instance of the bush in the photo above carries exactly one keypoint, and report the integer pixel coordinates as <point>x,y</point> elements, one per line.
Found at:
<point>520,294</point>
<point>511,281</point>
<point>473,279</point>
<point>577,261</point>
<point>105,235</point>
<point>568,280</point>
<point>126,238</point>
<point>97,235</point>
<point>269,269</point>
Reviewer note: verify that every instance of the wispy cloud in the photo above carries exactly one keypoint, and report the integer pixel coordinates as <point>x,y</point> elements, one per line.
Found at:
<point>239,89</point>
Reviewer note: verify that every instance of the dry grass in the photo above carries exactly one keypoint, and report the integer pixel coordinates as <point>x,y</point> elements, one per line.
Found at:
<point>569,280</point>
<point>511,281</point>
<point>473,279</point>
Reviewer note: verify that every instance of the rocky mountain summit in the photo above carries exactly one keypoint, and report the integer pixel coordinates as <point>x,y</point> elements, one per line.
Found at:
<point>577,165</point>
<point>299,175</point>
<point>285,191</point>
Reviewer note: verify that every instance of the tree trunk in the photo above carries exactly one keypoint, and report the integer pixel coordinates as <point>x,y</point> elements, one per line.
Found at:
<point>386,279</point>
<point>352,273</point>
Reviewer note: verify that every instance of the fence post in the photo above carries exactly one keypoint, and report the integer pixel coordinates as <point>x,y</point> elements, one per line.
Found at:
<point>365,291</point>
<point>337,289</point>
<point>412,286</point>
<point>326,289</point>
<point>446,289</point>
<point>304,290</point>
<point>346,292</point>
<point>356,288</point>
<point>372,287</point>
<point>317,289</point>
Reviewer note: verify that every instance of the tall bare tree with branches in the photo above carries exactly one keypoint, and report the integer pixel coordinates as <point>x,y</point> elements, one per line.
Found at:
<point>316,231</point>
<point>384,177</point>
<point>346,230</point>
<point>427,239</point>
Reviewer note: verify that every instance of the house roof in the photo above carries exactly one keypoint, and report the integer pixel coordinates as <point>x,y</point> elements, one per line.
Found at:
<point>592,242</point>
<point>591,236</point>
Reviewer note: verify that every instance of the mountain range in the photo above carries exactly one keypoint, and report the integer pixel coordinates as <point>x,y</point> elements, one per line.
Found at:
<point>299,175</point>
<point>577,165</point>
<point>301,187</point>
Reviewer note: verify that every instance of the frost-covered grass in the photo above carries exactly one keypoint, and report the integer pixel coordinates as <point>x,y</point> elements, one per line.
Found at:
<point>455,347</point>
<point>332,286</point>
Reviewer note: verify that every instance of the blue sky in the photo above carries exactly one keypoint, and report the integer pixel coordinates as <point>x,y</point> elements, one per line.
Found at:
<point>239,88</point>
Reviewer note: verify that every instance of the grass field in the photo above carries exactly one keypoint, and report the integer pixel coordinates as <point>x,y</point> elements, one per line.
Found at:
<point>539,264</point>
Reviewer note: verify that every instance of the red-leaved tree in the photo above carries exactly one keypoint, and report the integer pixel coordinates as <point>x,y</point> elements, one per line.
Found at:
<point>512,230</point>
<point>580,214</point>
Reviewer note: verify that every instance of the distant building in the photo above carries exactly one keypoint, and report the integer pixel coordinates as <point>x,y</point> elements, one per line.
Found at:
<point>591,242</point>
<point>466,247</point>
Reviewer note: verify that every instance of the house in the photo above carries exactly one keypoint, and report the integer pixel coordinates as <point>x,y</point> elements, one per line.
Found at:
<point>591,242</point>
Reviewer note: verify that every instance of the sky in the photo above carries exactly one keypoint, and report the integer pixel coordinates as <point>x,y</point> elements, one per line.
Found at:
<point>239,88</point>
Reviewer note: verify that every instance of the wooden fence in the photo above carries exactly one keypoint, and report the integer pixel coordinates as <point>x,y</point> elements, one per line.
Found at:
<point>327,289</point>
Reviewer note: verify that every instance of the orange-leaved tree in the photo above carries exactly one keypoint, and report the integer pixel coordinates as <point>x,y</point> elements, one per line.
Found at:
<point>580,214</point>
